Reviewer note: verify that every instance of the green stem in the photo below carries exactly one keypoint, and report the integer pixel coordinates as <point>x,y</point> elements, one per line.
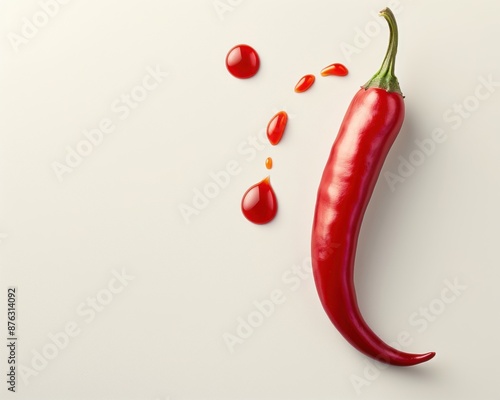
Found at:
<point>385,78</point>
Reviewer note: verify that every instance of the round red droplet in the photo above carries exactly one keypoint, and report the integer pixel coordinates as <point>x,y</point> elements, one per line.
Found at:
<point>269,162</point>
<point>259,204</point>
<point>334,69</point>
<point>242,61</point>
<point>304,83</point>
<point>276,127</point>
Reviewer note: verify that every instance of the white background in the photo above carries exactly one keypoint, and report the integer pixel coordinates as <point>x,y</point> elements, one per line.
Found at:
<point>161,337</point>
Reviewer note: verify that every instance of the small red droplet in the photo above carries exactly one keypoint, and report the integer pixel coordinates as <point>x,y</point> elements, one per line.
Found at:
<point>259,204</point>
<point>269,162</point>
<point>276,127</point>
<point>242,61</point>
<point>334,69</point>
<point>304,83</point>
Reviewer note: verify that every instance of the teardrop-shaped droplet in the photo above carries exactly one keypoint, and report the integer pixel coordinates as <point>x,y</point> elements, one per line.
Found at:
<point>259,204</point>
<point>304,83</point>
<point>334,69</point>
<point>276,127</point>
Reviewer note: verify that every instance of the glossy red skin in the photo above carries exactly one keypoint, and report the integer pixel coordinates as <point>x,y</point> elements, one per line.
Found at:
<point>369,128</point>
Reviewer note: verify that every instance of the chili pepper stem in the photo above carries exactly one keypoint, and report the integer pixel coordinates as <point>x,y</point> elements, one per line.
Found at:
<point>385,77</point>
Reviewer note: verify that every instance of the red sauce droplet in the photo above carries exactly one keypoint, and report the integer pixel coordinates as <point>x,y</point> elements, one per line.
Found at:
<point>304,83</point>
<point>276,127</point>
<point>242,61</point>
<point>334,69</point>
<point>259,204</point>
<point>269,162</point>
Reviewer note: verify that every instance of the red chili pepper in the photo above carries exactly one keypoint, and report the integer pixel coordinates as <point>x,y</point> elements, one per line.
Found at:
<point>369,128</point>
